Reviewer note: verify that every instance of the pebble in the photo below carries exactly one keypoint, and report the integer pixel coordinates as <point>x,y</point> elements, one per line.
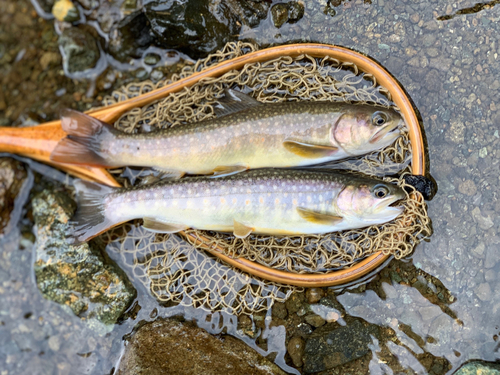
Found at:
<point>295,348</point>
<point>483,292</point>
<point>456,131</point>
<point>315,320</point>
<point>478,251</point>
<point>313,295</point>
<point>467,187</point>
<point>484,222</point>
<point>54,343</point>
<point>294,303</point>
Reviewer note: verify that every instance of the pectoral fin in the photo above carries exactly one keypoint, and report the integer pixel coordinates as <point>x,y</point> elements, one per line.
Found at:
<point>309,151</point>
<point>157,226</point>
<point>318,217</point>
<point>241,230</point>
<point>169,174</point>
<point>224,170</point>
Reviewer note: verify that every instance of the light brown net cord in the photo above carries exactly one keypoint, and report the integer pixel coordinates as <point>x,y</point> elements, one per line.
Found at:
<point>285,78</point>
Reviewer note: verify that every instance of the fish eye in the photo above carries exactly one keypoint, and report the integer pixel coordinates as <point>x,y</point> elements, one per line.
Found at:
<point>380,191</point>
<point>379,118</point>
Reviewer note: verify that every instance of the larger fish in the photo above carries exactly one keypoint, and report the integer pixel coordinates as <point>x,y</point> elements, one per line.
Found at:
<point>246,134</point>
<point>267,201</point>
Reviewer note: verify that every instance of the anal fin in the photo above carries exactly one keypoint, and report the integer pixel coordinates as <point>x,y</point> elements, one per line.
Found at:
<point>318,217</point>
<point>158,226</point>
<point>241,230</point>
<point>309,151</point>
<point>223,170</point>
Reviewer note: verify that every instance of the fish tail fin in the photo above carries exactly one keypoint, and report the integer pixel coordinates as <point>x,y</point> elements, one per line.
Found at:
<point>90,218</point>
<point>83,143</point>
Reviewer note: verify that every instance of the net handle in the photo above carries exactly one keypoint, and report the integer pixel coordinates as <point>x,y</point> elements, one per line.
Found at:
<point>38,142</point>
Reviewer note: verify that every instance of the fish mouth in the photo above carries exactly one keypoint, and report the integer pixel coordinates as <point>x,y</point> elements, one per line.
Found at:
<point>392,207</point>
<point>389,132</point>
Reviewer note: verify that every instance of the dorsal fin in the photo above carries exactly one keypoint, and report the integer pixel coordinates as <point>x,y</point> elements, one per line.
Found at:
<point>234,101</point>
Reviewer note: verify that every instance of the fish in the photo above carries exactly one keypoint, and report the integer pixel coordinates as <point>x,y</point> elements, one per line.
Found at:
<point>260,201</point>
<point>246,134</point>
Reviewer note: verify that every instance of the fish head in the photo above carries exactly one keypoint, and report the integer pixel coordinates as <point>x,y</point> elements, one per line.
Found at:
<point>364,128</point>
<point>370,201</point>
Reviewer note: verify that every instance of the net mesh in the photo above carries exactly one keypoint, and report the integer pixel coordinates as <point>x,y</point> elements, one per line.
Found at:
<point>174,270</point>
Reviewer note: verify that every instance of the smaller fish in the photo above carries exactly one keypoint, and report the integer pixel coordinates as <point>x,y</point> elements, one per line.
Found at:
<point>246,134</point>
<point>265,201</point>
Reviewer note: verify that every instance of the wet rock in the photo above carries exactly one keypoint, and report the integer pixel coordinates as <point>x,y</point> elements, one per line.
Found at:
<point>479,367</point>
<point>279,310</point>
<point>131,37</point>
<point>425,185</point>
<point>279,14</point>
<point>295,11</point>
<point>295,349</point>
<point>294,303</point>
<point>65,10</point>
<point>79,49</point>
<point>12,176</point>
<point>77,277</point>
<point>326,350</point>
<point>313,295</point>
<point>172,347</point>
<point>152,59</point>
<point>198,27</point>
<point>289,12</point>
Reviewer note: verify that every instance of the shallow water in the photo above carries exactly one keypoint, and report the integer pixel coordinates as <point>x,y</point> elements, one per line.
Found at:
<point>440,306</point>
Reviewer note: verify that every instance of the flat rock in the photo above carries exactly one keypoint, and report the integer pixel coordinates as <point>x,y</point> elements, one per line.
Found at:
<point>77,277</point>
<point>171,347</point>
<point>326,350</point>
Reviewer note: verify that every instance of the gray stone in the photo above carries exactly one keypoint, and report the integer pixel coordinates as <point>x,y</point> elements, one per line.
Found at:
<point>172,347</point>
<point>77,277</point>
<point>326,350</point>
<point>478,251</point>
<point>484,222</point>
<point>483,292</point>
